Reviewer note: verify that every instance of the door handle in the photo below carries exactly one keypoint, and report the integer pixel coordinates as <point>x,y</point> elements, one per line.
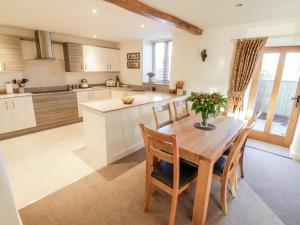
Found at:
<point>6,105</point>
<point>13,104</point>
<point>297,100</point>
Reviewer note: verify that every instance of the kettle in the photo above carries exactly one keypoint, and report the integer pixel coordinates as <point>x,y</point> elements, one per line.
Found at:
<point>84,83</point>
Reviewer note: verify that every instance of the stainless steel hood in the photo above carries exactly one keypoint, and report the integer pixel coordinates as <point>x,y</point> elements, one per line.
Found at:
<point>44,45</point>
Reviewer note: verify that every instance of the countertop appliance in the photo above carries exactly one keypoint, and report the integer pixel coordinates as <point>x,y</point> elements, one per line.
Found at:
<point>111,83</point>
<point>84,83</point>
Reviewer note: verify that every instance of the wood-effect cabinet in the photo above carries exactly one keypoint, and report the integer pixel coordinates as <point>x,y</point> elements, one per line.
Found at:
<point>55,108</point>
<point>10,54</point>
<point>73,54</point>
<point>16,114</point>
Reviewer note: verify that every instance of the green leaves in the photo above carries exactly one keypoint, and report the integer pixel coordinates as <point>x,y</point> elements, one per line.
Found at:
<point>208,104</point>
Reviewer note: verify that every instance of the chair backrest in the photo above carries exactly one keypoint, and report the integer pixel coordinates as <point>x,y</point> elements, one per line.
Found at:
<point>170,152</point>
<point>159,109</point>
<point>236,151</point>
<point>181,103</point>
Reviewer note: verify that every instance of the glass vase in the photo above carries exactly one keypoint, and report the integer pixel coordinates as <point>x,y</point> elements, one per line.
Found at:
<point>204,122</point>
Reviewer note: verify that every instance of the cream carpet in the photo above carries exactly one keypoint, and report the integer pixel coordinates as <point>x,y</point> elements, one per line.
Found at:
<point>115,194</point>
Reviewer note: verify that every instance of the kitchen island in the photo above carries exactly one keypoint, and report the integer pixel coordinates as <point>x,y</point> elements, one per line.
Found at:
<point>112,128</point>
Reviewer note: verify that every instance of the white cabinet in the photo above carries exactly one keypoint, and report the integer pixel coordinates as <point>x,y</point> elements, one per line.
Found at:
<point>91,95</point>
<point>22,112</point>
<point>7,123</point>
<point>97,59</point>
<point>16,114</point>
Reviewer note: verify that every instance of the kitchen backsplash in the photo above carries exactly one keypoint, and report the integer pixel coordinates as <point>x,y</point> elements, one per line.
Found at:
<point>45,73</point>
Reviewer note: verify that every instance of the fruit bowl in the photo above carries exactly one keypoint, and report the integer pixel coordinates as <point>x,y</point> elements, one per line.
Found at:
<point>128,100</point>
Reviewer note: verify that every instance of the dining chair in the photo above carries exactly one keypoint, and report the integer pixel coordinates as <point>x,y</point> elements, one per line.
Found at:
<point>160,109</point>
<point>250,124</point>
<point>181,104</point>
<point>169,173</point>
<point>225,169</point>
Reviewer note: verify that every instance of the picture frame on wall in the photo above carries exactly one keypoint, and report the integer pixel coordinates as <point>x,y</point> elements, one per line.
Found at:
<point>133,56</point>
<point>133,65</point>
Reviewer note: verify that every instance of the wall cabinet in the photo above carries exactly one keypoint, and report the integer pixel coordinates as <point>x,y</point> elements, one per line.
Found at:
<point>10,54</point>
<point>97,59</point>
<point>91,95</point>
<point>73,55</point>
<point>16,114</point>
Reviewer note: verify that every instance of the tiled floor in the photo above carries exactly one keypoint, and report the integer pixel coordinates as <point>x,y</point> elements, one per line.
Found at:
<point>41,163</point>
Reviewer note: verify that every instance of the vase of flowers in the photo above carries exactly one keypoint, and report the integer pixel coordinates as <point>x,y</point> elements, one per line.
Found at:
<point>150,76</point>
<point>208,105</point>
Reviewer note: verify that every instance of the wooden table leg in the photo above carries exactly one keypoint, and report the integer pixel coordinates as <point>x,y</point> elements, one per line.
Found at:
<point>205,171</point>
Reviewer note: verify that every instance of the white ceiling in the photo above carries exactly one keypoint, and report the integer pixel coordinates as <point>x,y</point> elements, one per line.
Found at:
<point>75,17</point>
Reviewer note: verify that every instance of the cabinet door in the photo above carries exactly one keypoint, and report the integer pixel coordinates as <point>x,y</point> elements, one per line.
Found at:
<point>73,55</point>
<point>6,121</point>
<point>22,112</point>
<point>11,54</point>
<point>94,59</point>
<point>113,56</point>
<point>83,96</point>
<point>117,94</point>
<point>100,94</point>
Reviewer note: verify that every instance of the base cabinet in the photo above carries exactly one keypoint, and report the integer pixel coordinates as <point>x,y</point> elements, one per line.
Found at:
<point>16,114</point>
<point>92,95</point>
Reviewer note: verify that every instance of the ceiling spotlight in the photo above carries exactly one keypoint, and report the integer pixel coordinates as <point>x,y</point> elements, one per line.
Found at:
<point>142,25</point>
<point>238,5</point>
<point>94,36</point>
<point>94,11</point>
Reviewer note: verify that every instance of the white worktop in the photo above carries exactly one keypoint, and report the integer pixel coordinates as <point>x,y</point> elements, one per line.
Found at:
<point>14,95</point>
<point>114,104</point>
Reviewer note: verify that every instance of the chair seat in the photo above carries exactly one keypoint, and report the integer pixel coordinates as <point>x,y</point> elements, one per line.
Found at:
<point>220,165</point>
<point>164,172</point>
<point>227,152</point>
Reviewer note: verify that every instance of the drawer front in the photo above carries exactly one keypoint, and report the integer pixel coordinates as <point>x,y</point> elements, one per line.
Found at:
<point>55,108</point>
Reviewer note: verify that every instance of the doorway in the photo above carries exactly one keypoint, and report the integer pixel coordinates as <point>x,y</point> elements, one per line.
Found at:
<point>275,92</point>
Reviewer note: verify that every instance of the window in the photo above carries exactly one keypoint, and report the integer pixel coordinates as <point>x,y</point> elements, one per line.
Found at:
<point>161,63</point>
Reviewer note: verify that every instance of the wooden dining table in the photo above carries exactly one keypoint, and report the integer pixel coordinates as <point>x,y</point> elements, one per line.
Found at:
<point>204,148</point>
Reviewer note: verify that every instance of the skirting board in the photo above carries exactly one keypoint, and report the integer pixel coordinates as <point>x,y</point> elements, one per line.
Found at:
<point>125,152</point>
<point>295,156</point>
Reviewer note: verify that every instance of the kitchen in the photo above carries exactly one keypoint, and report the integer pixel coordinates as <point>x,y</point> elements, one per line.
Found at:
<point>59,72</point>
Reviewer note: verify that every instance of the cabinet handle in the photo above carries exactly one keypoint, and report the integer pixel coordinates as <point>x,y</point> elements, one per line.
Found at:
<point>110,66</point>
<point>81,66</point>
<point>13,104</point>
<point>84,65</point>
<point>4,66</point>
<point>6,105</point>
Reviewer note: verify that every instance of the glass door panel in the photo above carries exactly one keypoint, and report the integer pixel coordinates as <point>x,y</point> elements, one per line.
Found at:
<point>287,90</point>
<point>265,86</point>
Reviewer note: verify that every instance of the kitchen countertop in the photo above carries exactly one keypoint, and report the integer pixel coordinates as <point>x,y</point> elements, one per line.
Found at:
<point>3,96</point>
<point>14,95</point>
<point>108,105</point>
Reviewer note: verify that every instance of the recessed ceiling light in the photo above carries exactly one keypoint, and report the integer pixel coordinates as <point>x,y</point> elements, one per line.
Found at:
<point>94,11</point>
<point>94,36</point>
<point>238,5</point>
<point>142,25</point>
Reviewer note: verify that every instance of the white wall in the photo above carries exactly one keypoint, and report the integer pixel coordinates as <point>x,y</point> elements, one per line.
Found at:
<point>131,76</point>
<point>8,212</point>
<point>214,73</point>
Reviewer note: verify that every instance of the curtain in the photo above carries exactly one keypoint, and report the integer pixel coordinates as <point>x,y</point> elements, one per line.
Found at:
<point>246,57</point>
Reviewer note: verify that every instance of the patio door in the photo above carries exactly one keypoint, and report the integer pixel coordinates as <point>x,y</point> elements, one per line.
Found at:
<point>275,92</point>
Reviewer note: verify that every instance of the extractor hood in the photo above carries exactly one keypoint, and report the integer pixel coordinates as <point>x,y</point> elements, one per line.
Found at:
<point>44,45</point>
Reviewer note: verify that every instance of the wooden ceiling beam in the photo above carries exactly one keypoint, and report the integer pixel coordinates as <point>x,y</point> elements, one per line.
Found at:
<point>140,8</point>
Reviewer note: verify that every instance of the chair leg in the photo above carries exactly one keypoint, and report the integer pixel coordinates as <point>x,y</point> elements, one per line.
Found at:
<point>173,208</point>
<point>233,183</point>
<point>148,194</point>
<point>224,196</point>
<point>241,162</point>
